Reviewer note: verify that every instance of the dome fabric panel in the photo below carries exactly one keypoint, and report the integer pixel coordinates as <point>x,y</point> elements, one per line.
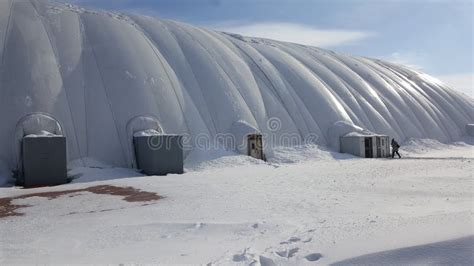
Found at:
<point>94,71</point>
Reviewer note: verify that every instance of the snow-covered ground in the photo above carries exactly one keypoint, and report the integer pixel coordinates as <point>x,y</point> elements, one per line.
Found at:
<point>306,205</point>
<point>101,77</point>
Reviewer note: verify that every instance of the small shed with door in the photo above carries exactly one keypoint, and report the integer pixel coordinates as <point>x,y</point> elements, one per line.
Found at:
<point>248,140</point>
<point>365,145</point>
<point>255,146</point>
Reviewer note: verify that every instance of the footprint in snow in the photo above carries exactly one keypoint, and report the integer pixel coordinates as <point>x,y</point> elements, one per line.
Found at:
<point>313,256</point>
<point>294,239</point>
<point>287,253</point>
<point>264,261</point>
<point>239,257</point>
<point>291,240</point>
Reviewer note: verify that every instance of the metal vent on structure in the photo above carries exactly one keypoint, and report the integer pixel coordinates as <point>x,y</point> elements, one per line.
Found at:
<point>153,151</point>
<point>159,154</point>
<point>41,151</point>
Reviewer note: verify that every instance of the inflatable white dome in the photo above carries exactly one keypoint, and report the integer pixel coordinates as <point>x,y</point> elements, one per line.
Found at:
<point>95,71</point>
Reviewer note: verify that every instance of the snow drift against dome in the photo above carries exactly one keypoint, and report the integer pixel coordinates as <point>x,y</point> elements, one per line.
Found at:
<point>95,71</point>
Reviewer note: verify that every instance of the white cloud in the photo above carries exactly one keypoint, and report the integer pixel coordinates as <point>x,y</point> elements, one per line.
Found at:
<point>296,33</point>
<point>410,59</point>
<point>461,82</point>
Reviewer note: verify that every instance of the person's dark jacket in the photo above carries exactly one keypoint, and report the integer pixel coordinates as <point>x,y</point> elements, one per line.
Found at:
<point>395,145</point>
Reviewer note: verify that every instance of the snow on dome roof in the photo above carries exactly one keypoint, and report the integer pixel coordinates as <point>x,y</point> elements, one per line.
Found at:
<point>96,70</point>
<point>358,134</point>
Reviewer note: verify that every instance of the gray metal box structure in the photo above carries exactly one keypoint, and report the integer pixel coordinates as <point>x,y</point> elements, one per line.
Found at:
<point>470,130</point>
<point>44,161</point>
<point>159,154</point>
<point>353,145</point>
<point>367,146</point>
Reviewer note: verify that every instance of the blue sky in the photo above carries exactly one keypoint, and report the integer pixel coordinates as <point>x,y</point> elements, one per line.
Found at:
<point>435,36</point>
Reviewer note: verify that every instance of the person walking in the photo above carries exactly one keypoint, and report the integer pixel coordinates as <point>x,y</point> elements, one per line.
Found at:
<point>395,147</point>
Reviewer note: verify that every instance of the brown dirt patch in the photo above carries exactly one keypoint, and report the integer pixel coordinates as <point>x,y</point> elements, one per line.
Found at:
<point>129,194</point>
